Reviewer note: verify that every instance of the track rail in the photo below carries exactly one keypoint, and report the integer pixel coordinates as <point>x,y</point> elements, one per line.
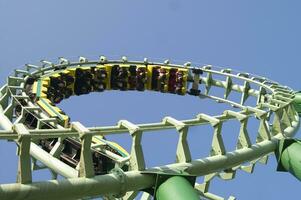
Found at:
<point>273,109</point>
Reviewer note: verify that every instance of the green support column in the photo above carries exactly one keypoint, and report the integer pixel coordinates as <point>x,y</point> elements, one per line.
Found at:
<point>24,165</point>
<point>288,155</point>
<point>297,102</point>
<point>176,188</point>
<point>86,168</point>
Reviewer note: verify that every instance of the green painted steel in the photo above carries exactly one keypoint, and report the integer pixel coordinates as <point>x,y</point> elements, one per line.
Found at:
<point>176,188</point>
<point>297,102</point>
<point>77,188</point>
<point>276,105</point>
<point>289,157</point>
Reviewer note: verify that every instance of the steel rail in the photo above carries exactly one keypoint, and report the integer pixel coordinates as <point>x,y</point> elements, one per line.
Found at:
<point>138,180</point>
<point>118,62</point>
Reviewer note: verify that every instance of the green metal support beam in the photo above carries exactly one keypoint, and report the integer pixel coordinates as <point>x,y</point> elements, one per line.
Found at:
<point>24,165</point>
<point>176,188</point>
<point>86,163</point>
<point>76,188</point>
<point>164,182</point>
<point>288,155</point>
<point>297,102</point>
<point>288,151</point>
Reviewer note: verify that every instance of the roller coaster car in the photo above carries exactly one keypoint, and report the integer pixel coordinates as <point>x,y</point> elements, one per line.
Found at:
<point>128,77</point>
<point>162,80</point>
<point>181,82</point>
<point>119,77</point>
<point>100,76</point>
<point>28,87</point>
<point>137,77</point>
<point>39,88</point>
<point>132,77</point>
<point>141,79</point>
<point>54,112</point>
<point>68,78</point>
<point>48,91</point>
<point>167,79</point>
<point>83,80</point>
<point>61,86</point>
<point>110,146</point>
<point>172,82</point>
<point>153,74</point>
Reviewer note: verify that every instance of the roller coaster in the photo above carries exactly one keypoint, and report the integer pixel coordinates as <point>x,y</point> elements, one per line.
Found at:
<point>94,167</point>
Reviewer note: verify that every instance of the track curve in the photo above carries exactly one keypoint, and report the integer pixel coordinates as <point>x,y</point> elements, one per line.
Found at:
<point>44,138</point>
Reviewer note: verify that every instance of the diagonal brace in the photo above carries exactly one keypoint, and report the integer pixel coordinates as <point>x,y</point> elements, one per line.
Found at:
<point>86,168</point>
<point>137,158</point>
<point>183,152</point>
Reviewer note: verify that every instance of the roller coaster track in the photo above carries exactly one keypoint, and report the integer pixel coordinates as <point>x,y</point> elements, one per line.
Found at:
<point>274,111</point>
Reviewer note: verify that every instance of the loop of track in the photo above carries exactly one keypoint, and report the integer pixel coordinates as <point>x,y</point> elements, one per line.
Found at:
<point>273,106</point>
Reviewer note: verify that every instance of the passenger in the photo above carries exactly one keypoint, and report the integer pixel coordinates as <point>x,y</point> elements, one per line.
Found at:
<point>162,79</point>
<point>98,81</point>
<point>132,77</point>
<point>28,85</point>
<point>172,80</point>
<point>132,82</point>
<point>98,85</point>
<point>141,79</point>
<point>58,83</point>
<point>83,83</point>
<point>179,82</point>
<point>122,78</point>
<point>57,98</point>
<point>85,88</point>
<point>155,78</point>
<point>104,74</point>
<point>68,79</point>
<point>68,93</point>
<point>114,77</point>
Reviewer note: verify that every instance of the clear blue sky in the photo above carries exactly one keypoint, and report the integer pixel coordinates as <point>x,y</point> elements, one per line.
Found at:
<point>260,37</point>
